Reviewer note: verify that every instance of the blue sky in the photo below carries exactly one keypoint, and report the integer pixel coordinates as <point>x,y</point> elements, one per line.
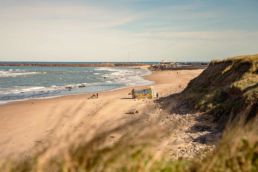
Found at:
<point>127,30</point>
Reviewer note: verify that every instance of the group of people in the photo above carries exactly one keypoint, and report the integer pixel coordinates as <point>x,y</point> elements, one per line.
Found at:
<point>96,95</point>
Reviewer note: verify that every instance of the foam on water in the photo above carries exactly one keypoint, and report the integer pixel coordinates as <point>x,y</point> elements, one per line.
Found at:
<point>15,73</point>
<point>26,82</point>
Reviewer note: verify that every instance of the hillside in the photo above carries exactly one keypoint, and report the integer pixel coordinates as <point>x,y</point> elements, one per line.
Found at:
<point>225,90</point>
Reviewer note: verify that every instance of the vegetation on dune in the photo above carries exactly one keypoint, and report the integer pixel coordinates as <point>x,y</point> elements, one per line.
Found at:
<point>236,152</point>
<point>225,89</point>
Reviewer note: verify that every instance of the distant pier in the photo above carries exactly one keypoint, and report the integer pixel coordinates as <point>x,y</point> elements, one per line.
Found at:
<point>48,64</point>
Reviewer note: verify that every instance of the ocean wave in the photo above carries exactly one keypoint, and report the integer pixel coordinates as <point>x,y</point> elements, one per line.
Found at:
<point>39,89</point>
<point>111,69</point>
<point>126,76</point>
<point>100,79</point>
<point>15,73</point>
<point>22,90</point>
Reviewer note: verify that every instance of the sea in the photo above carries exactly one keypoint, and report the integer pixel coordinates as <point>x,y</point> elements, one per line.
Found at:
<point>29,82</point>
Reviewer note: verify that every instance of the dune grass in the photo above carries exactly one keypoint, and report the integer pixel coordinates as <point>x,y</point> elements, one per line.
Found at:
<point>236,152</point>
<point>224,88</point>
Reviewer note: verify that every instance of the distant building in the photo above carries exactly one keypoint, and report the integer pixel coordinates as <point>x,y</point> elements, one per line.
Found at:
<point>164,65</point>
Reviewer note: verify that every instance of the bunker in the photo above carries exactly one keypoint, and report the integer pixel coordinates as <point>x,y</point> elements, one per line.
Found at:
<point>142,93</point>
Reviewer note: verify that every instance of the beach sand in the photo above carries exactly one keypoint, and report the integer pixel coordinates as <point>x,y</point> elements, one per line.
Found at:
<point>26,124</point>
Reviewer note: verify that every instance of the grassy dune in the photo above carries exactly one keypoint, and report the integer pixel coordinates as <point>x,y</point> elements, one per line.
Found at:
<point>226,91</point>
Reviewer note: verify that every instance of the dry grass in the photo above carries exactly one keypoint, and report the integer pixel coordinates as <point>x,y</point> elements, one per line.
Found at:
<point>236,152</point>
<point>136,151</point>
<point>225,88</point>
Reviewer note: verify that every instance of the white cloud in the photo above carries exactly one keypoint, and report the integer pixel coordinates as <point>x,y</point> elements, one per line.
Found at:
<point>89,33</point>
<point>92,15</point>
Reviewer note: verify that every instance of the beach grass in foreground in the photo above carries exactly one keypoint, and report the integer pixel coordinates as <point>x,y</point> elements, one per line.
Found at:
<point>215,93</point>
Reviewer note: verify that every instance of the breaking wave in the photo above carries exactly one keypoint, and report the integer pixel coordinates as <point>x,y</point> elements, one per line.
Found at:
<point>61,81</point>
<point>16,73</point>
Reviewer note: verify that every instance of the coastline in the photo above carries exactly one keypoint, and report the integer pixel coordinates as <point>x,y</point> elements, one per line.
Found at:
<point>25,124</point>
<point>76,94</point>
<point>88,93</point>
<point>145,67</point>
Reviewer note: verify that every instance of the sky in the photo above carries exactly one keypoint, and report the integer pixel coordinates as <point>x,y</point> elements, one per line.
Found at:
<point>127,30</point>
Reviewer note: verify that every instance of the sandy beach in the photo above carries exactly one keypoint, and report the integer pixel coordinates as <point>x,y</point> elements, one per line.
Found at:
<point>26,124</point>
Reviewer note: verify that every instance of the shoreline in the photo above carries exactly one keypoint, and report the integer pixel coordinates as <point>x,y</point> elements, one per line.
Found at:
<point>76,94</point>
<point>85,93</point>
<point>25,124</point>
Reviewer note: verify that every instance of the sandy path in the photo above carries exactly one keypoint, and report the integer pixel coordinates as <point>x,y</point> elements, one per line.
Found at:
<point>26,124</point>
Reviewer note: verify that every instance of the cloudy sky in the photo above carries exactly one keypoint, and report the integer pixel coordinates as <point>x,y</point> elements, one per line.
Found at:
<point>127,30</point>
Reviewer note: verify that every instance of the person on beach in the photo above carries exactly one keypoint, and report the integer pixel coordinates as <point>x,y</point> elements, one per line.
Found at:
<point>94,96</point>
<point>133,95</point>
